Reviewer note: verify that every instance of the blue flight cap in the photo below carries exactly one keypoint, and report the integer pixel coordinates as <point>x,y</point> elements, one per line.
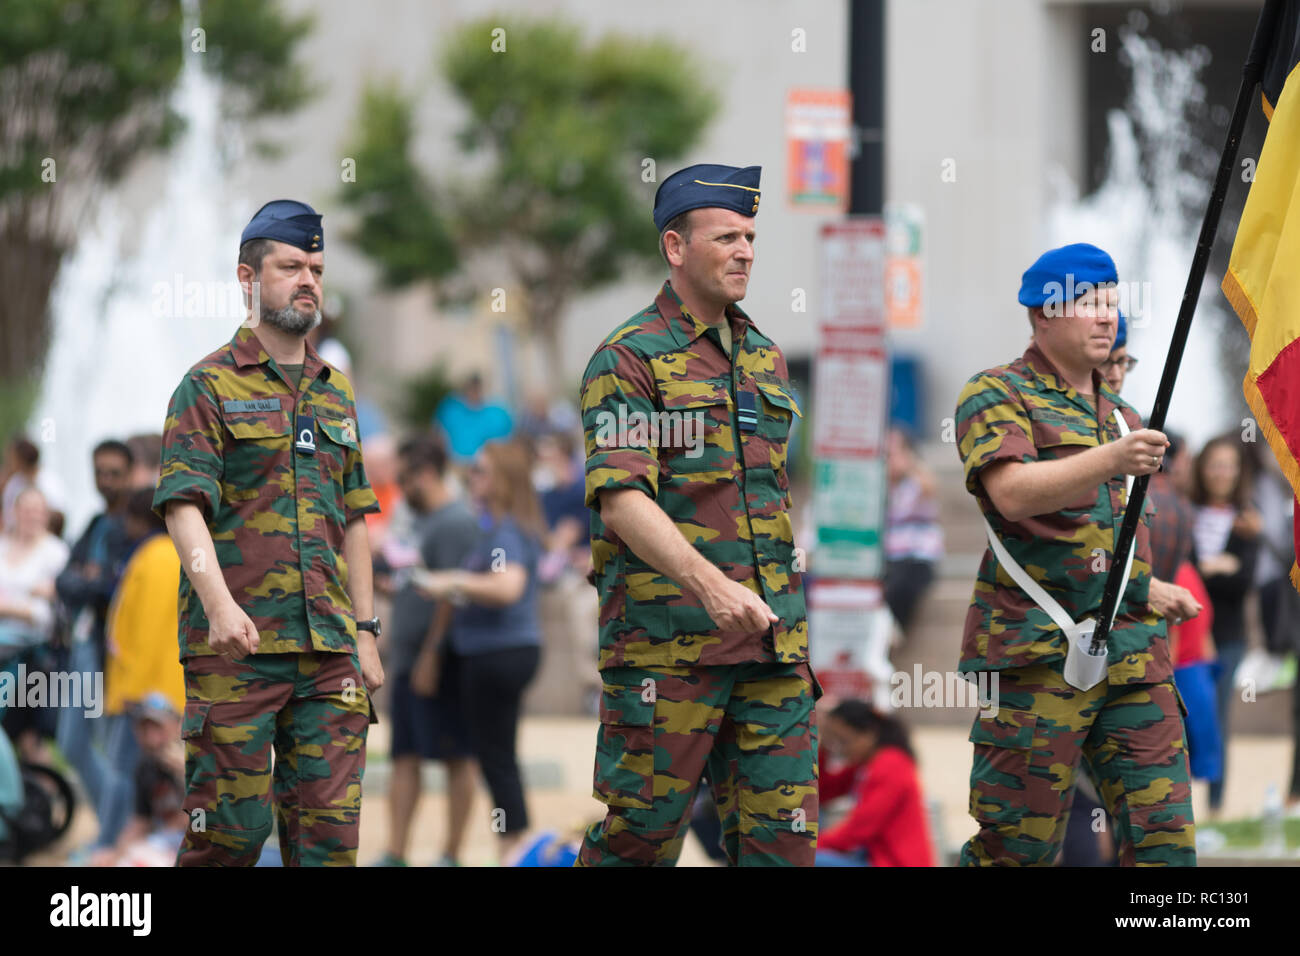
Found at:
<point>728,187</point>
<point>287,220</point>
<point>1062,275</point>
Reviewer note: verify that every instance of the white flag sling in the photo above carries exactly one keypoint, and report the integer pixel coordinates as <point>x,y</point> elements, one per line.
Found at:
<point>1083,669</point>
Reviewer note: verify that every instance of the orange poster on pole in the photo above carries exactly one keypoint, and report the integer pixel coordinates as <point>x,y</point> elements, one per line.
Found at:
<point>819,126</point>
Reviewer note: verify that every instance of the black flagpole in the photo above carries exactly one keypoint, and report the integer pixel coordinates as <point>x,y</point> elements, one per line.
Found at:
<point>1250,75</point>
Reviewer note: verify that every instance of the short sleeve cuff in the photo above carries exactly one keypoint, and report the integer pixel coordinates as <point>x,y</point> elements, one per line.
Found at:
<point>194,487</point>
<point>624,468</point>
<point>358,502</point>
<point>1013,448</point>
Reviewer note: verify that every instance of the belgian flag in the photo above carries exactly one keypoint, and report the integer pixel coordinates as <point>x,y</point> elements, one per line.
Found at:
<point>1263,278</point>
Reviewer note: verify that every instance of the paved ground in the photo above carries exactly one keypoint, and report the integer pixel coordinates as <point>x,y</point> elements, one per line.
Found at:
<point>557,754</point>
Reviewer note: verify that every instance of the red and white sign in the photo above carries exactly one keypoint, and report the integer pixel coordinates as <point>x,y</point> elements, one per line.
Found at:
<point>851,384</point>
<point>850,630</point>
<point>853,277</point>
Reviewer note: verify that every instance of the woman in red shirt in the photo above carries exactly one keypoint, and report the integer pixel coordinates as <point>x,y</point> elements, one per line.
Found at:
<point>887,824</point>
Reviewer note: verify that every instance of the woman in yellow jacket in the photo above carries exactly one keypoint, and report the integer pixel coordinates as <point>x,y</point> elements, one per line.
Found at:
<point>142,653</point>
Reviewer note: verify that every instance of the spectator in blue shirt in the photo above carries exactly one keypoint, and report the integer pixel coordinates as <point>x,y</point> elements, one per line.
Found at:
<point>469,421</point>
<point>496,638</point>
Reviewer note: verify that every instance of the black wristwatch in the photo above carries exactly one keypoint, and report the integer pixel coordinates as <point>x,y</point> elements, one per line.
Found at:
<point>371,625</point>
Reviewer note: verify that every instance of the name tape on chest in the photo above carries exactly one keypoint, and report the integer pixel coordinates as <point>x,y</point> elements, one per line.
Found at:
<point>770,378</point>
<point>251,405</point>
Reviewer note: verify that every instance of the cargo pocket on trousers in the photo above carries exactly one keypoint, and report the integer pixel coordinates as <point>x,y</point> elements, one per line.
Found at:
<point>1000,770</point>
<point>625,765</point>
<point>195,719</point>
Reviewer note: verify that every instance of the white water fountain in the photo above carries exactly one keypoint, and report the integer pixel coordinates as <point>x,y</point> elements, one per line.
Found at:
<point>1149,224</point>
<point>125,329</point>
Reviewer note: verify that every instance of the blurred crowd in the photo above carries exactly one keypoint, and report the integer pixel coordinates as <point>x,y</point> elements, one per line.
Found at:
<point>481,564</point>
<point>482,541</point>
<point>106,605</point>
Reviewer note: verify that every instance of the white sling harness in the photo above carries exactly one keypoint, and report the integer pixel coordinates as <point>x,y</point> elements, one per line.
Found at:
<point>1083,669</point>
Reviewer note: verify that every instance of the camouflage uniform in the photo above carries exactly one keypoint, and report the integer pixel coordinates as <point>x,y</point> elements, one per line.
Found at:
<point>678,692</point>
<point>1129,728</point>
<point>277,515</point>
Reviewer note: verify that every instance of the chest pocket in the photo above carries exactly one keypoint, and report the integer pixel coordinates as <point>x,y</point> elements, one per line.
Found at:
<point>257,454</point>
<point>337,439</point>
<point>693,432</point>
<point>1060,434</point>
<point>767,445</point>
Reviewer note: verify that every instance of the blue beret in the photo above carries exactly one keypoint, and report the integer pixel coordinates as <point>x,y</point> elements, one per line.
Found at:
<point>1062,275</point>
<point>727,187</point>
<point>1121,334</point>
<point>287,220</point>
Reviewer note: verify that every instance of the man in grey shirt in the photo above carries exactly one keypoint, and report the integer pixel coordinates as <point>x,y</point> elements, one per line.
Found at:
<point>445,530</point>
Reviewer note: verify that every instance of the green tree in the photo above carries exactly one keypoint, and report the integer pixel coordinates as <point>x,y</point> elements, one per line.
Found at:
<point>566,140</point>
<point>85,91</point>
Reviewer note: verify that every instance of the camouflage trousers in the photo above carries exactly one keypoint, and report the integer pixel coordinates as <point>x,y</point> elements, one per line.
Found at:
<point>751,725</point>
<point>1027,754</point>
<point>312,710</point>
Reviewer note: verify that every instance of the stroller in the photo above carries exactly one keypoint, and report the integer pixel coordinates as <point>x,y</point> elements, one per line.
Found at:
<point>37,803</point>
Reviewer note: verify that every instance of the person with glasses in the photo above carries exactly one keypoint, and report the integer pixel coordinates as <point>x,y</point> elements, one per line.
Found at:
<point>1048,448</point>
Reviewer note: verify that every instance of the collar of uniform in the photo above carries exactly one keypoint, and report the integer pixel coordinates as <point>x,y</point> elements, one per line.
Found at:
<point>1042,367</point>
<point>247,349</point>
<point>687,327</point>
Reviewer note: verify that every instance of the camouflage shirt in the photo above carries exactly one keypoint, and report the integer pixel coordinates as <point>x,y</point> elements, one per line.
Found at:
<point>1027,412</point>
<point>276,511</point>
<point>665,410</point>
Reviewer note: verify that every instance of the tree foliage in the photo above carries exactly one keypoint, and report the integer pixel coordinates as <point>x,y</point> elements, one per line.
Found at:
<point>560,135</point>
<point>85,91</point>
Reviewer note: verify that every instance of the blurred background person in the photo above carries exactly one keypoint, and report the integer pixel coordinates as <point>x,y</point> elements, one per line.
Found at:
<point>469,421</point>
<point>1225,549</point>
<point>1178,593</point>
<point>1191,648</point>
<point>381,471</point>
<point>444,533</point>
<point>567,602</point>
<point>324,338</point>
<point>1172,526</point>
<point>1279,602</point>
<point>913,535</point>
<point>142,656</point>
<point>85,588</point>
<point>867,755</point>
<point>495,641</point>
<point>21,469</point>
<point>559,479</point>
<point>157,825</point>
<point>146,457</point>
<point>30,559</point>
<point>544,415</point>
<point>1274,665</point>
